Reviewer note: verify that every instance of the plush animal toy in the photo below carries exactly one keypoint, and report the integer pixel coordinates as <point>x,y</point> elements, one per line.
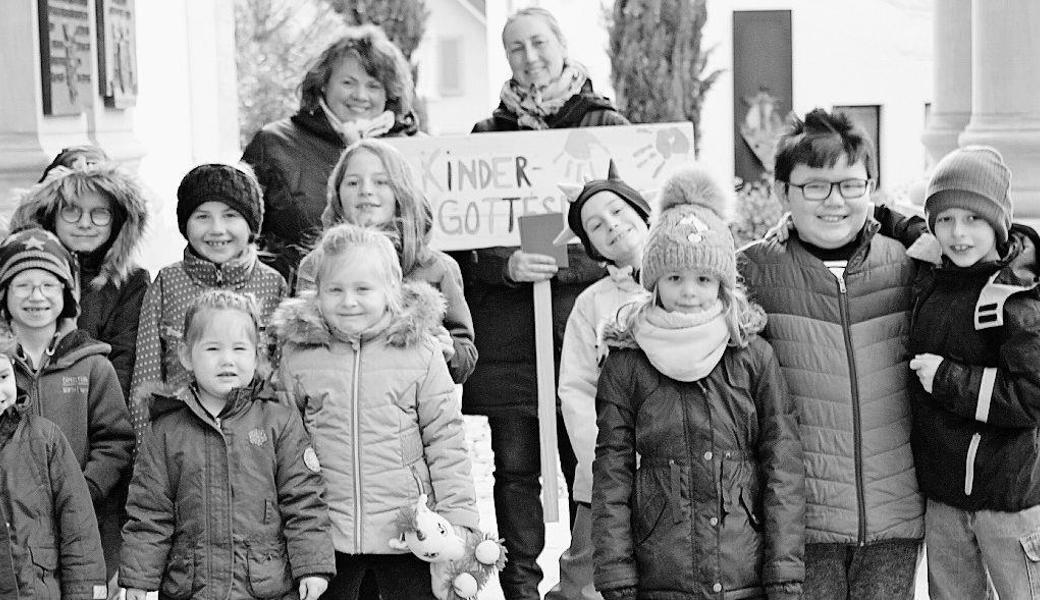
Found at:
<point>459,568</point>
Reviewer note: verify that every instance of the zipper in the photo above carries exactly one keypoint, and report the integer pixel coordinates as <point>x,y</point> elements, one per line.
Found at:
<point>356,445</point>
<point>857,424</point>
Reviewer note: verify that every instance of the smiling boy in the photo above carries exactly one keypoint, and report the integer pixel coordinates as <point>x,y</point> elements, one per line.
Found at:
<point>838,299</point>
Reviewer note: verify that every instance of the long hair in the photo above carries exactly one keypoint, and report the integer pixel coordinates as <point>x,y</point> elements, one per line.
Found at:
<point>346,239</point>
<point>743,317</point>
<point>413,215</point>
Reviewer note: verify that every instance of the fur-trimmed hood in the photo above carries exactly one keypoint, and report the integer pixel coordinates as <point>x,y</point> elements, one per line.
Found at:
<point>299,321</point>
<point>39,207</point>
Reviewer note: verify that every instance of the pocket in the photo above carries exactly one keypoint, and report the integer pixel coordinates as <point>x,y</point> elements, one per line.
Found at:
<point>411,446</point>
<point>1031,551</point>
<point>269,575</point>
<point>179,578</point>
<point>45,563</point>
<point>650,505</point>
<point>748,503</point>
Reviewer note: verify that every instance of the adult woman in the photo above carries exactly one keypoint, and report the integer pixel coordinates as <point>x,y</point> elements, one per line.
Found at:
<point>360,86</point>
<point>546,91</point>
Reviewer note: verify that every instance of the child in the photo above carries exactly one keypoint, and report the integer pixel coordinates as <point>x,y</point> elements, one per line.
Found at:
<point>609,217</point>
<point>219,212</point>
<point>65,372</point>
<point>50,547</point>
<point>976,340</point>
<point>99,213</point>
<point>373,185</point>
<point>838,297</point>
<point>715,504</point>
<point>226,499</point>
<point>360,361</point>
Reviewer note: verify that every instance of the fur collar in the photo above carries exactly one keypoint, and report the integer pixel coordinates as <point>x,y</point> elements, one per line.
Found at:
<point>298,320</point>
<point>126,191</point>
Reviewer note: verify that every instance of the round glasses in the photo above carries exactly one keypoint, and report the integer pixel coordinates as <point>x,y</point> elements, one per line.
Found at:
<point>72,213</point>
<point>819,190</point>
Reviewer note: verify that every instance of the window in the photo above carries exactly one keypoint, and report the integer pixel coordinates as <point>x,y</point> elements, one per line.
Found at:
<point>449,51</point>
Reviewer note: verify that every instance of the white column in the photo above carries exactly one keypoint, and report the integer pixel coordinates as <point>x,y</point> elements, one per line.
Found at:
<point>1006,93</point>
<point>951,77</point>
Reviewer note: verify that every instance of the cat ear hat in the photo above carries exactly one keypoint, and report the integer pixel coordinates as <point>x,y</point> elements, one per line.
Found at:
<point>578,195</point>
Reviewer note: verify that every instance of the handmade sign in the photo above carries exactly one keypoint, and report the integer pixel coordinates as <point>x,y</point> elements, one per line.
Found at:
<point>480,185</point>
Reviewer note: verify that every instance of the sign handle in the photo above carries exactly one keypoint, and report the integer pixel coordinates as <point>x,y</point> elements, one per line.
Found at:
<point>545,371</point>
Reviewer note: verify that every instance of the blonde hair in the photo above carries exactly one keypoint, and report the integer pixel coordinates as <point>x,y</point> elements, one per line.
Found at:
<point>345,239</point>
<point>201,313</point>
<point>413,215</point>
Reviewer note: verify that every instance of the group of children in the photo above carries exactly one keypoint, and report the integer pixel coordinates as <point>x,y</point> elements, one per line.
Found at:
<point>759,432</point>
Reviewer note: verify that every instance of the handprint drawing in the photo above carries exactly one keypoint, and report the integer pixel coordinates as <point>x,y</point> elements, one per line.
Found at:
<point>578,150</point>
<point>667,143</point>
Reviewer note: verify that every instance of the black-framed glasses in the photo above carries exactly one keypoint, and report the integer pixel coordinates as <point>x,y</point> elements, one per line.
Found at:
<point>818,190</point>
<point>72,213</point>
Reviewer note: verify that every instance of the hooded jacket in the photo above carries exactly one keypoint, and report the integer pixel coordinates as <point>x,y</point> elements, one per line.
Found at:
<point>292,159</point>
<point>382,412</point>
<point>974,435</point>
<point>228,507</point>
<point>50,549</point>
<point>698,486</point>
<point>112,286</point>
<point>162,316</point>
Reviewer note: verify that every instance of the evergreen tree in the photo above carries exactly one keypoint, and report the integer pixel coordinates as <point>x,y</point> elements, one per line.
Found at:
<point>659,68</point>
<point>404,21</point>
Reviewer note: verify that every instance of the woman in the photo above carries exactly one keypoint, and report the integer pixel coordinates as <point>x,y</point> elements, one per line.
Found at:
<point>360,86</point>
<point>547,91</point>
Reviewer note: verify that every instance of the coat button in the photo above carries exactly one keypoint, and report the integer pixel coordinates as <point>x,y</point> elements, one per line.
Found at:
<point>708,455</point>
<point>713,521</point>
<point>717,587</point>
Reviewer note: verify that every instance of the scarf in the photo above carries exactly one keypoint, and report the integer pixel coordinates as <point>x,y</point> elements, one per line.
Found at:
<point>352,131</point>
<point>533,105</point>
<point>685,347</point>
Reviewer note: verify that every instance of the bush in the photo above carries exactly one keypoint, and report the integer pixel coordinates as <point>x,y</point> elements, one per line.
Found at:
<point>757,210</point>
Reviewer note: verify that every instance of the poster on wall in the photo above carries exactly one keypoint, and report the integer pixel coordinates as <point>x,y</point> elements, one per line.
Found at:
<point>117,52</point>
<point>66,65</point>
<point>480,185</point>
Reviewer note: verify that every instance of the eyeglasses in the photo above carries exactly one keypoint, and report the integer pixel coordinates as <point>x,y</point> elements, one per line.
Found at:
<point>47,288</point>
<point>72,213</point>
<point>818,190</point>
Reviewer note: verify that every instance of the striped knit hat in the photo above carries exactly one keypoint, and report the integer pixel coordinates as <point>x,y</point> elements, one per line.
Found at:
<point>974,178</point>
<point>39,249</point>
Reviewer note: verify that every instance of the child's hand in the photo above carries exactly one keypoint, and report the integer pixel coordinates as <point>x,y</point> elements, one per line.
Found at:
<point>782,230</point>
<point>135,594</point>
<point>310,587</point>
<point>926,365</point>
<point>446,342</point>
<point>525,266</point>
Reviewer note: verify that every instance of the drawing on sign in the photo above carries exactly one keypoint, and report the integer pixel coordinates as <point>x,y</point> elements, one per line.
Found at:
<point>578,151</point>
<point>667,143</point>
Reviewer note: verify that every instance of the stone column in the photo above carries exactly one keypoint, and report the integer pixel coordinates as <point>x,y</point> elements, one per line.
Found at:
<point>1005,97</point>
<point>951,77</point>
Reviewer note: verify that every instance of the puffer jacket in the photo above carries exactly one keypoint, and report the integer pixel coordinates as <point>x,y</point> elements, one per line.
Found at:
<point>975,435</point>
<point>698,486</point>
<point>292,159</point>
<point>50,549</point>
<point>842,345</point>
<point>383,415</point>
<point>579,366</point>
<point>442,272</point>
<point>112,286</point>
<point>229,507</point>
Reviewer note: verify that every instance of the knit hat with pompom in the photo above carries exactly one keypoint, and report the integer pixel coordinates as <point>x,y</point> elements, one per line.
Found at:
<point>691,230</point>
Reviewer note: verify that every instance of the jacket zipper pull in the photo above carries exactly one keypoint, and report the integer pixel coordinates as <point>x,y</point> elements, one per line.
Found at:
<point>217,419</point>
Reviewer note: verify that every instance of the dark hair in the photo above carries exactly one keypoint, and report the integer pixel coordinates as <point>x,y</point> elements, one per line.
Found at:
<point>376,54</point>
<point>819,140</point>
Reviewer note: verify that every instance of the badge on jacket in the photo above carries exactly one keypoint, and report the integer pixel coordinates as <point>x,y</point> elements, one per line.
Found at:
<point>100,592</point>
<point>310,458</point>
<point>257,437</point>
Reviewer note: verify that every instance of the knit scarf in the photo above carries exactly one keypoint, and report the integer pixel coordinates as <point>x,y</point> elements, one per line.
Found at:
<point>685,347</point>
<point>352,131</point>
<point>533,105</point>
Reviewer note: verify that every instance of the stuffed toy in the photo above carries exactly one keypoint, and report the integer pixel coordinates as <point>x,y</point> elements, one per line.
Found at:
<point>459,568</point>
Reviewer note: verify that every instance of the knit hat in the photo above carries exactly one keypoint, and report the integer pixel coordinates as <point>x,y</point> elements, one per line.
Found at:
<point>235,186</point>
<point>39,249</point>
<point>612,183</point>
<point>690,232</point>
<point>76,157</point>
<point>974,178</point>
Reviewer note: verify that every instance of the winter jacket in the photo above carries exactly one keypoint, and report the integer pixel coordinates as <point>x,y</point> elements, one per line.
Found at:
<point>442,272</point>
<point>974,435</point>
<point>77,389</point>
<point>50,548</point>
<point>112,286</point>
<point>504,379</point>
<point>162,316</point>
<point>698,486</point>
<point>842,347</point>
<point>383,416</point>
<point>579,366</point>
<point>227,507</point>
<point>293,159</point>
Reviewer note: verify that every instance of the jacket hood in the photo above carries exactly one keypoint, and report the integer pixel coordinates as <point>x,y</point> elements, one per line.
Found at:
<point>299,321</point>
<point>618,332</point>
<point>72,345</point>
<point>39,207</point>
